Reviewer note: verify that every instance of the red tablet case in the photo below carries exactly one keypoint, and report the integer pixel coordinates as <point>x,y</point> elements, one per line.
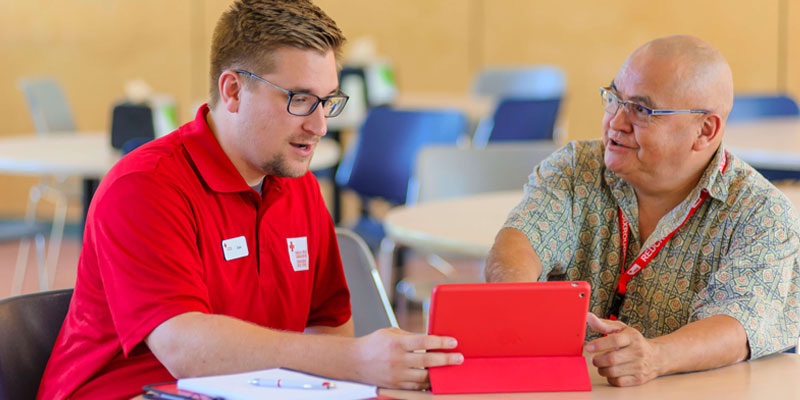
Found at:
<point>515,337</point>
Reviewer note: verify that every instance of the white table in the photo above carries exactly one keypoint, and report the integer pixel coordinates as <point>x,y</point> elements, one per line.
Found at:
<point>466,226</point>
<point>773,377</point>
<point>90,156</point>
<point>768,143</point>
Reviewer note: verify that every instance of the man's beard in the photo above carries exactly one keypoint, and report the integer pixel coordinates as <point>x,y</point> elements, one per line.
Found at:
<point>278,166</point>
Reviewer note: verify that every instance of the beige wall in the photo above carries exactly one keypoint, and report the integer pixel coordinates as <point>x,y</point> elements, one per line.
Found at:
<point>93,47</point>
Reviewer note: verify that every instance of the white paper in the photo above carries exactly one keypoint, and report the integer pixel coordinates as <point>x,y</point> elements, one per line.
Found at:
<point>236,386</point>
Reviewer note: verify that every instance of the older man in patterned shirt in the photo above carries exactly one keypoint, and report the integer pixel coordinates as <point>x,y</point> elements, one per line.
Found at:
<point>692,255</point>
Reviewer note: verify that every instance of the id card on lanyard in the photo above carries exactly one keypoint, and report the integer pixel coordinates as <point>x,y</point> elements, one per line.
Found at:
<point>648,255</point>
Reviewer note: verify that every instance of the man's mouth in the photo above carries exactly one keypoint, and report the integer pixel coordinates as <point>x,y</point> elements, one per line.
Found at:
<point>302,146</point>
<point>616,143</point>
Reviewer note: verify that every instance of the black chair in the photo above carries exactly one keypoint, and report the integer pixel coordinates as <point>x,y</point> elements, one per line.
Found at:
<point>29,325</point>
<point>129,121</point>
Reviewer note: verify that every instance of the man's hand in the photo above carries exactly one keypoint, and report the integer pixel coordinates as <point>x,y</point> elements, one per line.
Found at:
<point>625,357</point>
<point>390,358</point>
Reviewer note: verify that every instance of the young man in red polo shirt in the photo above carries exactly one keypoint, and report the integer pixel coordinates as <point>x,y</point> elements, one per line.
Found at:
<point>210,251</point>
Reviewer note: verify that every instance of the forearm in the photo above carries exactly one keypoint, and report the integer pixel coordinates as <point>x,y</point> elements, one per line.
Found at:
<point>708,343</point>
<point>196,344</point>
<point>345,329</point>
<point>512,258</point>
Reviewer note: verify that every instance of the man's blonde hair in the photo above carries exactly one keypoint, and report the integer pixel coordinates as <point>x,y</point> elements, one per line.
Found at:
<point>248,33</point>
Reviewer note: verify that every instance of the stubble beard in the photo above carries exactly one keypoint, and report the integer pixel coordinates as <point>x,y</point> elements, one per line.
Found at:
<point>278,167</point>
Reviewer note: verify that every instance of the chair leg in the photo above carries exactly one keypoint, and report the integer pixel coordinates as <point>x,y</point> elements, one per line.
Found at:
<point>40,262</point>
<point>21,267</point>
<point>56,235</point>
<point>386,260</point>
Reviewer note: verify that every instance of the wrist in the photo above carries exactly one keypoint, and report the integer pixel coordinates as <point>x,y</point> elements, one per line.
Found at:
<point>661,357</point>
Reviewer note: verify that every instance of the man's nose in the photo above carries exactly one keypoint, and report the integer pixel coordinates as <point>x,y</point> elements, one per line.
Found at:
<point>316,122</point>
<point>621,120</point>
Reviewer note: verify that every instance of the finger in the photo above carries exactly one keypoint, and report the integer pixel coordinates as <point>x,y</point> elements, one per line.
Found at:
<point>428,342</point>
<point>605,326</point>
<point>618,370</point>
<point>627,380</point>
<point>611,342</point>
<point>413,385</point>
<point>433,359</point>
<point>626,354</point>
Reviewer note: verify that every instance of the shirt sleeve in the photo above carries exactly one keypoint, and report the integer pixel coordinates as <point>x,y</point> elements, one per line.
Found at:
<point>757,280</point>
<point>545,214</point>
<point>146,246</point>
<point>330,299</point>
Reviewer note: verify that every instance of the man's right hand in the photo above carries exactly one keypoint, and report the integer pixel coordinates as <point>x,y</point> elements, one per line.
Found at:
<point>391,358</point>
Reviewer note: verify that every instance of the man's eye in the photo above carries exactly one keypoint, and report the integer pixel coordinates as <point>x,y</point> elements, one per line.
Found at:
<point>300,99</point>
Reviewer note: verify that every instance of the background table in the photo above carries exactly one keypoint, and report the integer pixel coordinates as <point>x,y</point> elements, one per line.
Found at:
<point>466,226</point>
<point>770,143</point>
<point>90,156</point>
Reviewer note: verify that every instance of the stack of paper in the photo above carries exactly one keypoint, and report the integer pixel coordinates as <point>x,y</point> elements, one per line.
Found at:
<point>237,386</point>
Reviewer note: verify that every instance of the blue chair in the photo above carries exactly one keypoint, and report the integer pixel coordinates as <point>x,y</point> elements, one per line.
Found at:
<point>519,120</point>
<point>527,98</point>
<point>759,106</point>
<point>752,107</point>
<point>380,163</point>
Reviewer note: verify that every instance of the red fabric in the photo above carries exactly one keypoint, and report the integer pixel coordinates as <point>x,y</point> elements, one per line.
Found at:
<point>153,249</point>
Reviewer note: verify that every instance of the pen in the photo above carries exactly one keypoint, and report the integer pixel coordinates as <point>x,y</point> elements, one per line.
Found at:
<point>290,384</point>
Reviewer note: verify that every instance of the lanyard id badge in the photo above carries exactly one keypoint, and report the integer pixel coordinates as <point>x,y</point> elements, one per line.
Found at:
<point>648,255</point>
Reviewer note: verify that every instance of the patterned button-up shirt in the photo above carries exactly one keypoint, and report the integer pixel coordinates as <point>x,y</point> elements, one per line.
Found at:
<point>738,255</point>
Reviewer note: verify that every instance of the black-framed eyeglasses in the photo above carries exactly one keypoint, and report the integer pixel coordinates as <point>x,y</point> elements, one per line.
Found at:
<point>302,104</point>
<point>639,114</point>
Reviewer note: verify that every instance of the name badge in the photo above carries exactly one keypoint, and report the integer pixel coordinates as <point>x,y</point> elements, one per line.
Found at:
<point>234,248</point>
<point>298,253</point>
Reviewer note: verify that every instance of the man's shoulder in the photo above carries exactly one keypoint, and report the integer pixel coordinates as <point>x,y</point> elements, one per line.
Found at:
<point>749,191</point>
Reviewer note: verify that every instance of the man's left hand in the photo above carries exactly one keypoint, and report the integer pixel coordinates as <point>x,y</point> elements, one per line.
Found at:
<point>623,355</point>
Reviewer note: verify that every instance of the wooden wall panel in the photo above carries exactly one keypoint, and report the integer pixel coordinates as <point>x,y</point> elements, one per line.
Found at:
<point>592,40</point>
<point>93,47</point>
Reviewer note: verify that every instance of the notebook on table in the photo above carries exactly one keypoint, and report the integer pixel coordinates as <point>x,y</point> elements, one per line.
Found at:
<point>515,337</point>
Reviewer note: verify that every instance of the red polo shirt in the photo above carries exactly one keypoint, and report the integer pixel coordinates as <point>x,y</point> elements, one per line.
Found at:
<point>174,228</point>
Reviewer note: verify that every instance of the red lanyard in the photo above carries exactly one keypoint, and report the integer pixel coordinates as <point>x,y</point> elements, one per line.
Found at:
<point>648,255</point>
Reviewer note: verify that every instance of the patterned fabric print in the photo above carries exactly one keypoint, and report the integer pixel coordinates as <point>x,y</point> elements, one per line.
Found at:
<point>738,255</point>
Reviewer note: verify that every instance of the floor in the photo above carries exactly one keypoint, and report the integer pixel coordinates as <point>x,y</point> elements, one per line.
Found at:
<point>65,271</point>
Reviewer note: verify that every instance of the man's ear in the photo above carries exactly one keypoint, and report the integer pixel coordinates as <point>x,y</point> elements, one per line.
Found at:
<point>708,132</point>
<point>230,87</point>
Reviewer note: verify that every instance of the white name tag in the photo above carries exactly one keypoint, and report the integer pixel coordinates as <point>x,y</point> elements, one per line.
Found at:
<point>298,253</point>
<point>234,248</point>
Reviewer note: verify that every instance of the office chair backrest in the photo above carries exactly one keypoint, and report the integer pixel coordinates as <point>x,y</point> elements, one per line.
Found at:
<point>518,120</point>
<point>534,82</point>
<point>368,300</point>
<point>752,107</point>
<point>47,105</point>
<point>379,165</point>
<point>29,325</point>
<point>131,121</point>
<point>447,171</point>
